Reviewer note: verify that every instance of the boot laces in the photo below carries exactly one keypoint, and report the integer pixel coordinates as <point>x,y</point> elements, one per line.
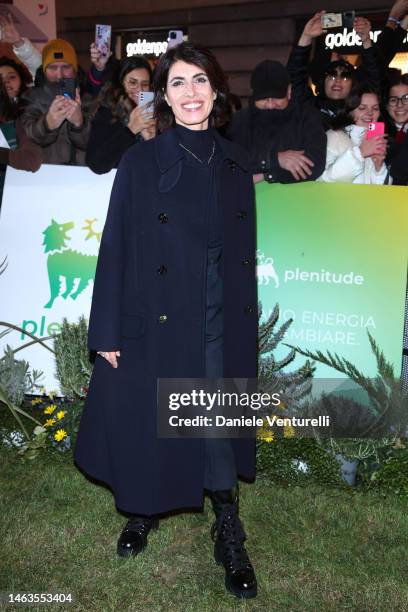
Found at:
<point>228,530</point>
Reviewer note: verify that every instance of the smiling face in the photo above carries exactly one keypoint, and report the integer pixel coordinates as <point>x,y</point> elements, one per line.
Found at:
<point>135,81</point>
<point>368,110</point>
<point>337,84</point>
<point>398,109</point>
<point>11,80</point>
<point>190,95</point>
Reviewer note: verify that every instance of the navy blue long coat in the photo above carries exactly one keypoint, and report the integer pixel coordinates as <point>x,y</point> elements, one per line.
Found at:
<point>149,302</point>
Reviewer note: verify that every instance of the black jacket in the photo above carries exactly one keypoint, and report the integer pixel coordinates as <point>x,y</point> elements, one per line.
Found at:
<point>108,141</point>
<point>265,133</point>
<point>399,162</point>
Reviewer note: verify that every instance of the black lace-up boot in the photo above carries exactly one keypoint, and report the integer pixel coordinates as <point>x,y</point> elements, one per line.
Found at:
<point>133,538</point>
<point>229,550</point>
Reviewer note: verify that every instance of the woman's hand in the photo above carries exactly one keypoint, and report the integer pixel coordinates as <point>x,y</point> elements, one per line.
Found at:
<point>9,33</point>
<point>373,146</point>
<point>313,29</point>
<point>378,161</point>
<point>98,59</point>
<point>140,120</point>
<point>110,356</point>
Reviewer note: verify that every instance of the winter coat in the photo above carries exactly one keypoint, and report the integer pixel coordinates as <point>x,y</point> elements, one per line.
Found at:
<point>26,155</point>
<point>64,145</point>
<point>149,301</point>
<point>264,133</point>
<point>108,141</point>
<point>345,164</point>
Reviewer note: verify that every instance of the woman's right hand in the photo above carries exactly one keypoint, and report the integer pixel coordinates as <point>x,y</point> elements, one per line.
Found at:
<point>140,120</point>
<point>373,146</point>
<point>111,357</point>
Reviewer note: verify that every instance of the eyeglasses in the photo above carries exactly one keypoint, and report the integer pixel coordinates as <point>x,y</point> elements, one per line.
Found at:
<point>341,76</point>
<point>132,83</point>
<point>395,100</point>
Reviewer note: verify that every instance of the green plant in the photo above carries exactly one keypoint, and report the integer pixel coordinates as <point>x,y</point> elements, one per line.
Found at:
<point>72,358</point>
<point>294,385</point>
<point>16,379</point>
<point>15,410</point>
<point>280,458</point>
<point>388,402</point>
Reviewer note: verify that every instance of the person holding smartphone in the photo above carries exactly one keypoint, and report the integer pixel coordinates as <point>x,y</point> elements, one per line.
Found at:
<point>175,297</point>
<point>352,155</point>
<point>55,117</point>
<point>120,120</point>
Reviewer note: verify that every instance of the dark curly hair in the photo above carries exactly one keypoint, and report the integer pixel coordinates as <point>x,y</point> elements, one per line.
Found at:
<point>22,71</point>
<point>198,56</point>
<point>10,109</point>
<point>353,101</point>
<point>114,96</point>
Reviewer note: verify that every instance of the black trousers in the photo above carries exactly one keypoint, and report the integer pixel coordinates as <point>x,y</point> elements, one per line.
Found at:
<point>220,471</point>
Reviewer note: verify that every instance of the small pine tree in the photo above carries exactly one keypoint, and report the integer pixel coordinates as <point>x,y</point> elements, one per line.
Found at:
<point>293,386</point>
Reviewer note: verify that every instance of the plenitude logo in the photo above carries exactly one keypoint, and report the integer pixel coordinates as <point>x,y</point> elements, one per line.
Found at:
<point>266,272</point>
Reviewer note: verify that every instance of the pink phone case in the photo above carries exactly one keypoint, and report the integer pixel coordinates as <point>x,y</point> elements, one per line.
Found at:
<point>375,129</point>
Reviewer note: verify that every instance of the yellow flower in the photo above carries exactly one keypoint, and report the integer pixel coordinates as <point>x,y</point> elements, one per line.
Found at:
<point>60,434</point>
<point>60,414</point>
<point>268,439</point>
<point>36,401</point>
<point>50,409</point>
<point>288,431</point>
<point>49,423</point>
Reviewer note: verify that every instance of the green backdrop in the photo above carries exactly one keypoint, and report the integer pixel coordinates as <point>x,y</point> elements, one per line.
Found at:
<point>334,257</point>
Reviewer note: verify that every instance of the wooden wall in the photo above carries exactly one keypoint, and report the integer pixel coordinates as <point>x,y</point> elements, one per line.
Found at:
<point>241,33</point>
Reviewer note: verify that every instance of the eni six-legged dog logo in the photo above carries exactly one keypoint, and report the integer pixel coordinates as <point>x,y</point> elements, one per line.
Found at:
<point>265,270</point>
<point>69,271</point>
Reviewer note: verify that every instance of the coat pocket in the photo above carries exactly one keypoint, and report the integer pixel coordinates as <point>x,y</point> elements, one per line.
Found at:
<point>132,326</point>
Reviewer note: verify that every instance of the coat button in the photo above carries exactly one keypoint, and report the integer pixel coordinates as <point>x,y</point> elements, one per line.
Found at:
<point>248,309</point>
<point>242,214</point>
<point>246,262</point>
<point>162,270</point>
<point>163,218</point>
<point>162,319</point>
<point>232,165</point>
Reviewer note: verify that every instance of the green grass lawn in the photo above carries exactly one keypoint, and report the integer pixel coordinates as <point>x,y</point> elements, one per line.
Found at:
<point>314,549</point>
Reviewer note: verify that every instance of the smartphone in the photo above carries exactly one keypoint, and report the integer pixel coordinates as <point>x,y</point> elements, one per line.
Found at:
<point>103,34</point>
<point>174,38</point>
<point>375,129</point>
<point>145,98</point>
<point>338,20</point>
<point>66,88</point>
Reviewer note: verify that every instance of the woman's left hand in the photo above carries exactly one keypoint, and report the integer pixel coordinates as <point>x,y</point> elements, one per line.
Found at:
<point>378,161</point>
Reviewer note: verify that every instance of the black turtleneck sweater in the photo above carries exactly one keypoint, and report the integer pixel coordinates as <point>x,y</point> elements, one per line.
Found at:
<point>200,175</point>
<point>265,133</point>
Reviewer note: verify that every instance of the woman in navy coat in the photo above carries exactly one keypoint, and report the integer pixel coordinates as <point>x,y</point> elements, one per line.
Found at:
<point>174,297</point>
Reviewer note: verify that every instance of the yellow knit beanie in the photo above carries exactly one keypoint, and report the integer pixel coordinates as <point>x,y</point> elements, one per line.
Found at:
<point>59,50</point>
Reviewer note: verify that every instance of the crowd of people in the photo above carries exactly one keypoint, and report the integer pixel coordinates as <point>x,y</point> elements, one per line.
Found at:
<point>304,121</point>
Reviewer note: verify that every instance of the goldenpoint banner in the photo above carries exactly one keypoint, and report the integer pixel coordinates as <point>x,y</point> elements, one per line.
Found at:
<point>332,256</point>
